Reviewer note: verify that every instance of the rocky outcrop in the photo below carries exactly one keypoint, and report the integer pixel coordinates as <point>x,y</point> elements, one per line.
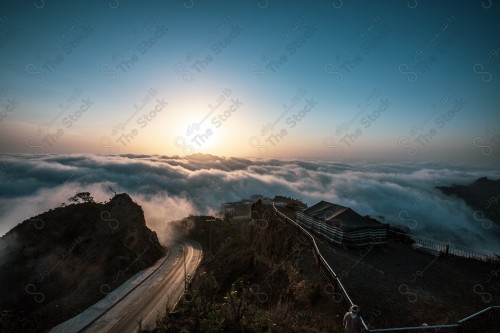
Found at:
<point>56,264</point>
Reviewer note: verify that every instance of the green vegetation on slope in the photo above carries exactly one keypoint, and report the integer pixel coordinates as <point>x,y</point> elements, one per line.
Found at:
<point>256,276</point>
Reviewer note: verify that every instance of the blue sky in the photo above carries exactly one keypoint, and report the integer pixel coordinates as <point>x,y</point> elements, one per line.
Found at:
<point>393,80</point>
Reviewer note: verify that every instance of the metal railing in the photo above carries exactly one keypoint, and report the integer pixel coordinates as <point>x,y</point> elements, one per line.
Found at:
<point>325,267</point>
<point>488,318</point>
<point>449,249</point>
<point>422,329</point>
<point>485,320</point>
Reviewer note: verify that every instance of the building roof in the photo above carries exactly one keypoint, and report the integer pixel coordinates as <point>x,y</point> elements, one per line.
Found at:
<point>325,210</point>
<point>289,201</point>
<point>340,216</point>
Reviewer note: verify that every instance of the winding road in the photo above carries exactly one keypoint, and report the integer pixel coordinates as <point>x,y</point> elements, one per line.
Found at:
<point>144,301</point>
<point>164,291</point>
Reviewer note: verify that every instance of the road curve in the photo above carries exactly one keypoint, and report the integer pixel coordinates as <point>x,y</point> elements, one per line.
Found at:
<point>162,289</point>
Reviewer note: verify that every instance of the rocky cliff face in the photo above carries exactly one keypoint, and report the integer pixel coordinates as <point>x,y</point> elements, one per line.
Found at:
<point>58,263</point>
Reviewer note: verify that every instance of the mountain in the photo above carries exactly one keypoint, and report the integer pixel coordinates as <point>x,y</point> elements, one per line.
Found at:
<point>483,196</point>
<point>56,264</point>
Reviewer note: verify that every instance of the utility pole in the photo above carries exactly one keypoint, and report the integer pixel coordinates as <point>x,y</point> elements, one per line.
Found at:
<point>211,221</point>
<point>185,277</point>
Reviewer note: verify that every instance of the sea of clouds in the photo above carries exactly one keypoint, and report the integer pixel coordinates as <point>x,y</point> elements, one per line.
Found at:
<point>170,188</point>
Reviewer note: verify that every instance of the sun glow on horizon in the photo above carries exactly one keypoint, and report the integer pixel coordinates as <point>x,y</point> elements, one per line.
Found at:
<point>186,81</point>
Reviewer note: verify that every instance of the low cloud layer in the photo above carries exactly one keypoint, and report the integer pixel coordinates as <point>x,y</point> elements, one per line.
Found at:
<point>170,188</point>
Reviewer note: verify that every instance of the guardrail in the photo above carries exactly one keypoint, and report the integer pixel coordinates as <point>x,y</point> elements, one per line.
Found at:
<point>486,320</point>
<point>422,329</point>
<point>325,267</point>
<point>449,249</point>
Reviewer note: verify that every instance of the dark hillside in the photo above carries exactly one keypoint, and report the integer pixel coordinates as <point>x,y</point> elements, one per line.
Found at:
<point>483,196</point>
<point>58,263</point>
<point>256,275</point>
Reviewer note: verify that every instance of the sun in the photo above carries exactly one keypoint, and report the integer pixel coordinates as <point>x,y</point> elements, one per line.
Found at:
<point>205,138</point>
<point>206,123</point>
<point>186,134</point>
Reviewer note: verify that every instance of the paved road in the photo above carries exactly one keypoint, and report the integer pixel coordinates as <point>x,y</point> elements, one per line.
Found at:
<point>150,299</point>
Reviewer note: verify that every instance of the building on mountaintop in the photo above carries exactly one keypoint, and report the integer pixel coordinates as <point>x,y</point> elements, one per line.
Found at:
<point>342,225</point>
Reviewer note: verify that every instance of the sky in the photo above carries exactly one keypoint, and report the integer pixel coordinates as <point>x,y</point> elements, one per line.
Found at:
<point>415,81</point>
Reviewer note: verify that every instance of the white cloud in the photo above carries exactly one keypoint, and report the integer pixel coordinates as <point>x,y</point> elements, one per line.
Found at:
<point>169,188</point>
